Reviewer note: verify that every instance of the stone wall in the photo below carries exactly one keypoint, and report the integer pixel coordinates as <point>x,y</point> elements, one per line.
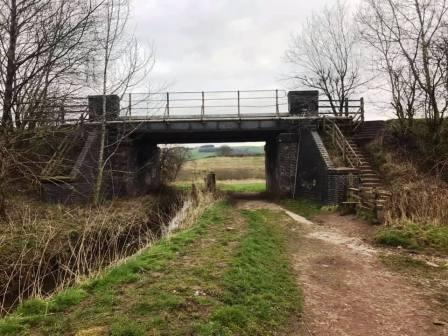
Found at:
<point>132,168</point>
<point>298,165</point>
<point>281,157</point>
<point>318,179</point>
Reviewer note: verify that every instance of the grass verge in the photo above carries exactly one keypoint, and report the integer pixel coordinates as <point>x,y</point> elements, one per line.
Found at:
<point>227,275</point>
<point>255,187</point>
<point>415,237</point>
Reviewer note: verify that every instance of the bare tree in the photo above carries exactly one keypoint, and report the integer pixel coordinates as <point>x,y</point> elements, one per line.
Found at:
<point>388,61</point>
<point>44,46</point>
<point>172,158</point>
<point>414,29</point>
<point>327,54</point>
<point>123,65</point>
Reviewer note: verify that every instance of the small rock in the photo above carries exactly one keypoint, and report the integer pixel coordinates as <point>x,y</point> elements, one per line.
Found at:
<point>229,228</point>
<point>199,293</point>
<point>439,323</point>
<point>429,263</point>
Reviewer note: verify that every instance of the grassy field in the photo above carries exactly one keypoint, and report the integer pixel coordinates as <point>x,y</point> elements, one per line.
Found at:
<point>225,168</point>
<point>229,274</point>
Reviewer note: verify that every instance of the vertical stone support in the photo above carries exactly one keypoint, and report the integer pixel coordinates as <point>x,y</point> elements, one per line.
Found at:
<point>135,168</point>
<point>96,107</point>
<point>281,156</point>
<point>303,102</point>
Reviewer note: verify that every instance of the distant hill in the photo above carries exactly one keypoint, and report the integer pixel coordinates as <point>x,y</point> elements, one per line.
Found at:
<point>198,153</point>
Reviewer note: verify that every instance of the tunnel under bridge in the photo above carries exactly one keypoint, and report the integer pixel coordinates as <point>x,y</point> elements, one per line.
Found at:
<point>297,162</point>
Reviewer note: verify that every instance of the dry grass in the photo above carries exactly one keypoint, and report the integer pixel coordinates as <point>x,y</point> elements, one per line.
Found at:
<point>424,202</point>
<point>416,197</point>
<point>45,247</point>
<point>226,168</point>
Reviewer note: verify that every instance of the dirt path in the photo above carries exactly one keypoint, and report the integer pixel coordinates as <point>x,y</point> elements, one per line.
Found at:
<point>347,290</point>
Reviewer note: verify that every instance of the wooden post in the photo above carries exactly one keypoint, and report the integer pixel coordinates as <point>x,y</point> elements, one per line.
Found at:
<point>210,182</point>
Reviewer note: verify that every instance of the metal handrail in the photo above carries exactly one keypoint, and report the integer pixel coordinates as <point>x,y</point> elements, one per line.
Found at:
<point>201,105</point>
<point>206,103</point>
<point>338,139</point>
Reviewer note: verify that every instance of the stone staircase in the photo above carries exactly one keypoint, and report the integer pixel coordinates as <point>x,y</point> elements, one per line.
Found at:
<point>372,190</point>
<point>371,193</point>
<point>368,131</point>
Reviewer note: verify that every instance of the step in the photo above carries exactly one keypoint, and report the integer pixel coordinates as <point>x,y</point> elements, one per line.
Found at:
<point>371,185</point>
<point>370,179</point>
<point>369,176</point>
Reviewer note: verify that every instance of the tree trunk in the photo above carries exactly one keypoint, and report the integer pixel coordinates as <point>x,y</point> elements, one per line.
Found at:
<point>10,67</point>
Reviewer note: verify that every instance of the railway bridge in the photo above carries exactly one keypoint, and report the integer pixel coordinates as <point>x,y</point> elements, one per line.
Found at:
<point>297,162</point>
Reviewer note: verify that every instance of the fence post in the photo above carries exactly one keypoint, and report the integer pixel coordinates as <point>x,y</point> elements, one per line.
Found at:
<point>277,111</point>
<point>239,106</point>
<point>203,106</point>
<point>361,101</point>
<point>130,105</point>
<point>346,106</point>
<point>168,104</point>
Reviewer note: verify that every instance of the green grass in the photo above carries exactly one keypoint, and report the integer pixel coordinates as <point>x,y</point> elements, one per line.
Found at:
<point>227,275</point>
<point>414,236</point>
<point>256,187</point>
<point>261,293</point>
<point>243,187</point>
<point>302,207</point>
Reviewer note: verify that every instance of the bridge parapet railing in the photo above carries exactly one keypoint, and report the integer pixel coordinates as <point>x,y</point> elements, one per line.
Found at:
<point>204,104</point>
<point>194,105</point>
<point>51,111</point>
<point>348,108</point>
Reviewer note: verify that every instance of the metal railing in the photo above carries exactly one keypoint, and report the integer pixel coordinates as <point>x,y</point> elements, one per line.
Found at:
<point>189,105</point>
<point>339,140</point>
<point>53,111</point>
<point>204,104</point>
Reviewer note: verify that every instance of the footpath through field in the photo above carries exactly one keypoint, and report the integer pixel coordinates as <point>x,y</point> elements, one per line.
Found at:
<point>249,267</point>
<point>348,288</point>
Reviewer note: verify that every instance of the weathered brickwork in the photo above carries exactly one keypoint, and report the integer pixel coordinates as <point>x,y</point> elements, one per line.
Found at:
<point>298,165</point>
<point>131,165</point>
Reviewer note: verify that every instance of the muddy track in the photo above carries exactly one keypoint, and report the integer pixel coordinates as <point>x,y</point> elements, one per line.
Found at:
<point>347,290</point>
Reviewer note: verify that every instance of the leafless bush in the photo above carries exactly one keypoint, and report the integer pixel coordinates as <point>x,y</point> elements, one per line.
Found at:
<point>416,197</point>
<point>23,156</point>
<point>43,248</point>
<point>172,159</point>
<point>421,202</point>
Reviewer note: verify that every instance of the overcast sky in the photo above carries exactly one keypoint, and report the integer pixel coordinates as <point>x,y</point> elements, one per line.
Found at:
<point>221,44</point>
